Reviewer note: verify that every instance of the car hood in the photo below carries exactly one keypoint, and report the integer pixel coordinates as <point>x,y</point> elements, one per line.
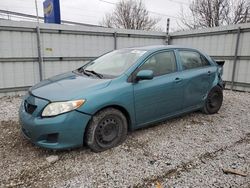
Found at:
<point>67,86</point>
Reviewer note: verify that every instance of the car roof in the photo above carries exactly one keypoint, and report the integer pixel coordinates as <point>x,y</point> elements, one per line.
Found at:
<point>159,47</point>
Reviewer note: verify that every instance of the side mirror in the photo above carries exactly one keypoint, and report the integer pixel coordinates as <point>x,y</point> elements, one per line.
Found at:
<point>145,75</point>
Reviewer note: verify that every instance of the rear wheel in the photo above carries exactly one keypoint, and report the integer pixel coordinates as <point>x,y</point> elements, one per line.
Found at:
<point>213,101</point>
<point>107,129</point>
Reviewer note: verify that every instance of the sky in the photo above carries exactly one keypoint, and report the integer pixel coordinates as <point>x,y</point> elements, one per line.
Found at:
<point>93,11</point>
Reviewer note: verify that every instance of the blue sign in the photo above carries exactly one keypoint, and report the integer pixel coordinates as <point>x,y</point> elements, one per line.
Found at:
<point>51,10</point>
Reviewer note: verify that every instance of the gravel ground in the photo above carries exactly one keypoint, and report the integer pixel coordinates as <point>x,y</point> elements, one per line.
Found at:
<point>189,151</point>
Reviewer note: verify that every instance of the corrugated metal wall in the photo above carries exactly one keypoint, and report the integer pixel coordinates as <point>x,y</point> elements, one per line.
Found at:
<point>221,44</point>
<point>64,48</point>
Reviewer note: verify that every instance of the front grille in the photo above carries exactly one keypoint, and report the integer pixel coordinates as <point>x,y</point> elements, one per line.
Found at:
<point>29,108</point>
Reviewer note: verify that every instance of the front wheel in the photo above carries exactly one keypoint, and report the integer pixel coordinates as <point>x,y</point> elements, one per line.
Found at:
<point>213,101</point>
<point>107,129</point>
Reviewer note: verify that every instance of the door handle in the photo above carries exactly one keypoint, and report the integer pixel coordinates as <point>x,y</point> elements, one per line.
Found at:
<point>209,73</point>
<point>177,80</point>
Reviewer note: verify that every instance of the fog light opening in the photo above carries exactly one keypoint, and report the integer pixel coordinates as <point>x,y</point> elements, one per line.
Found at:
<point>52,138</point>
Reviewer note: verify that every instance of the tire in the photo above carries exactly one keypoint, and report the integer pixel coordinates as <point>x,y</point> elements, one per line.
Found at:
<point>213,101</point>
<point>107,129</point>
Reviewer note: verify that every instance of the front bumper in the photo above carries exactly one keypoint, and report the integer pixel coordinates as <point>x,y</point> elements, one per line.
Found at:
<point>59,132</point>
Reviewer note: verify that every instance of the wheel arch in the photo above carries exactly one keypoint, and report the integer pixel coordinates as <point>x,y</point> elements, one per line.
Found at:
<point>121,109</point>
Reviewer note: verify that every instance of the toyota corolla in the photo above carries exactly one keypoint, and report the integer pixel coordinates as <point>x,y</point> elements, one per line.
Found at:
<point>120,91</point>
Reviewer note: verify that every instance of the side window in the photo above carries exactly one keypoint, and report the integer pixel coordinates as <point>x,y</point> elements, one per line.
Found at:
<point>161,63</point>
<point>190,60</point>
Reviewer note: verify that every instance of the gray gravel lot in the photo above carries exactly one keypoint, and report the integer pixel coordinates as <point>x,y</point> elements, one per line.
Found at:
<point>189,151</point>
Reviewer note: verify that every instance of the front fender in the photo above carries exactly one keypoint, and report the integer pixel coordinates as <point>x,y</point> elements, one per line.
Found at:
<point>120,95</point>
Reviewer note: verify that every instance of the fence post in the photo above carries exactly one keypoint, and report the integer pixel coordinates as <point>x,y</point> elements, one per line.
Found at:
<point>167,31</point>
<point>40,58</point>
<point>235,57</point>
<point>115,40</point>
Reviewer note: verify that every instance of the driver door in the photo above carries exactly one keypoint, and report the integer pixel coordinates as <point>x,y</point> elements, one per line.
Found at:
<point>163,95</point>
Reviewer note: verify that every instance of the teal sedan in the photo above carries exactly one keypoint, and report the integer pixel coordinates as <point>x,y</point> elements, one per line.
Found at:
<point>123,90</point>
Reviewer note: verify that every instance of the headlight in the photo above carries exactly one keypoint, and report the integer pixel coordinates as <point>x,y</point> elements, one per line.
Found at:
<point>56,108</point>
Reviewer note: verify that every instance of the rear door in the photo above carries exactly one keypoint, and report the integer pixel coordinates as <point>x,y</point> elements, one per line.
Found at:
<point>198,75</point>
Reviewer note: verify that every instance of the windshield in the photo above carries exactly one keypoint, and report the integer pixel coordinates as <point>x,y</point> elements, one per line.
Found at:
<point>114,63</point>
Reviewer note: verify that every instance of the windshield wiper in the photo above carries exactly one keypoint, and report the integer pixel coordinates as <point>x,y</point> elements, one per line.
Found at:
<point>85,72</point>
<point>82,70</point>
<point>93,72</point>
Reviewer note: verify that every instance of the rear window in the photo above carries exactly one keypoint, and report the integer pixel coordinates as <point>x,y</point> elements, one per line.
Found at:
<point>191,60</point>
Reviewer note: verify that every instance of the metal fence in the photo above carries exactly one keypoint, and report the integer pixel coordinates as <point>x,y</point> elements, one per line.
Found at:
<point>229,43</point>
<point>65,48</point>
